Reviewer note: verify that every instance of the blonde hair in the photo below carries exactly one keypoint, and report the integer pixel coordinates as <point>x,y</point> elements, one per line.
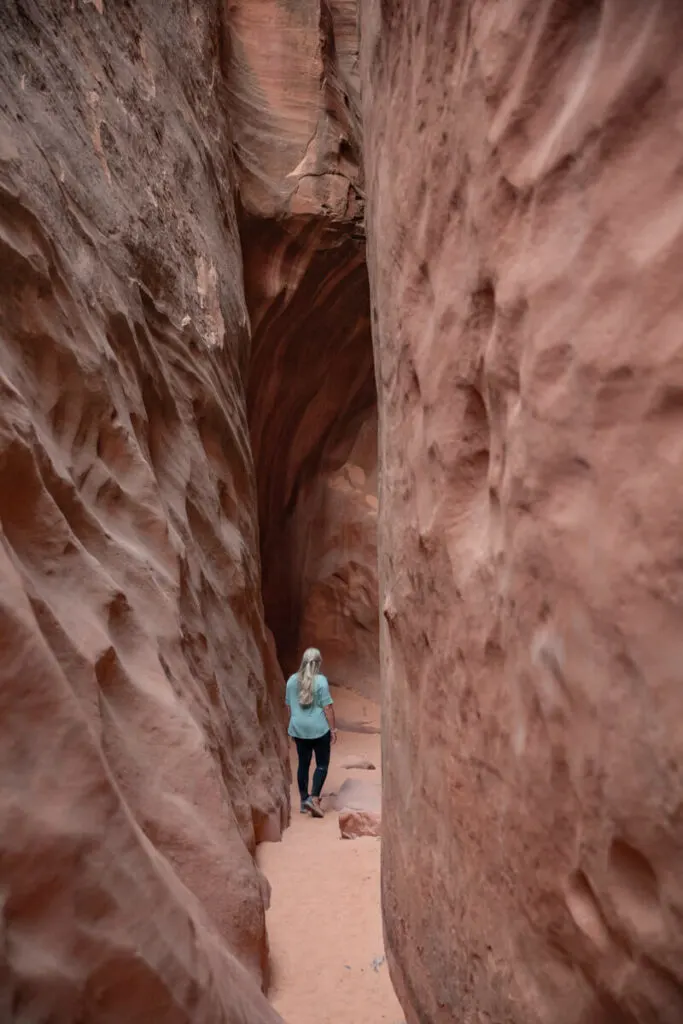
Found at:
<point>309,668</point>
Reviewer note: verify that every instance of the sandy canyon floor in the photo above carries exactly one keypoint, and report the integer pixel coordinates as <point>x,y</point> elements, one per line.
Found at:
<point>324,923</point>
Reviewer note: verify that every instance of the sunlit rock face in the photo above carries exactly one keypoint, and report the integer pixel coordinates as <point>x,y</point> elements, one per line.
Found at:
<point>523,169</point>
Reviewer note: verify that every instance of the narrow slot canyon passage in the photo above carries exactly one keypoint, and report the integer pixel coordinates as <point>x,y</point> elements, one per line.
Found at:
<point>313,424</point>
<point>188,497</point>
<point>353,324</point>
<point>312,412</point>
<point>324,923</point>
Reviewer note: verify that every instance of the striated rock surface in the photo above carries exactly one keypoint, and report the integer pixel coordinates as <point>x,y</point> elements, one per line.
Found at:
<point>311,392</point>
<point>360,824</point>
<point>524,197</point>
<point>337,531</point>
<point>142,752</point>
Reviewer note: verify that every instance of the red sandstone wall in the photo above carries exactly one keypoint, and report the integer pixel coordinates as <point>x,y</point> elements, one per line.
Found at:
<point>337,554</point>
<point>294,87</point>
<point>523,167</point>
<point>142,750</point>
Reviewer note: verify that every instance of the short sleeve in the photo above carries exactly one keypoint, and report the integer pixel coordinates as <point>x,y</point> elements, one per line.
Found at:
<point>288,693</point>
<point>325,699</point>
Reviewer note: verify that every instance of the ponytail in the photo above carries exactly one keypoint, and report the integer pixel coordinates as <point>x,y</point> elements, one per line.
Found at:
<point>310,666</point>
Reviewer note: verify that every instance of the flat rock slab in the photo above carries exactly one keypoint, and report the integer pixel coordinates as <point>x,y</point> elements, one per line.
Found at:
<point>361,763</point>
<point>359,824</point>
<point>349,725</point>
<point>359,795</point>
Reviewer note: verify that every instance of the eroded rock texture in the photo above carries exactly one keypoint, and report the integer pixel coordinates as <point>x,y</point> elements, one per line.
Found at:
<point>360,824</point>
<point>312,402</point>
<point>142,750</point>
<point>338,567</point>
<point>524,191</point>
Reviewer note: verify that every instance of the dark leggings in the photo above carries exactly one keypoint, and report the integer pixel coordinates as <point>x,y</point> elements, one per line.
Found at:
<point>305,749</point>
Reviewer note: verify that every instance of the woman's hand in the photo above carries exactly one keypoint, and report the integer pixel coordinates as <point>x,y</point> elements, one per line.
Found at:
<point>328,711</point>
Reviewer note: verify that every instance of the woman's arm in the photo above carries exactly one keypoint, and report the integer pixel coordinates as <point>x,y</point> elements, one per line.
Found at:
<point>288,698</point>
<point>331,721</point>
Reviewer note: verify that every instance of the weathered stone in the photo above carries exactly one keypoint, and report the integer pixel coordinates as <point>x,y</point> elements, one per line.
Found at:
<point>142,748</point>
<point>523,167</point>
<point>311,389</point>
<point>360,824</point>
<point>359,795</point>
<point>354,762</point>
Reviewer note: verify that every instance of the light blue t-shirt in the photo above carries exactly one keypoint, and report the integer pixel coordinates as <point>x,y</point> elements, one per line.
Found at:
<point>308,723</point>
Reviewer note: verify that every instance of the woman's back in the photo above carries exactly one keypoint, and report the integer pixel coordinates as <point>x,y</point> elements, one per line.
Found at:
<point>308,721</point>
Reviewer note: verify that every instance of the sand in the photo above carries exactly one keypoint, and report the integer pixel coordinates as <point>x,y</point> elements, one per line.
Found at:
<point>324,923</point>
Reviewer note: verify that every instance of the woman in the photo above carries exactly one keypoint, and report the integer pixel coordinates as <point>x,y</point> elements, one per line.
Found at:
<point>312,727</point>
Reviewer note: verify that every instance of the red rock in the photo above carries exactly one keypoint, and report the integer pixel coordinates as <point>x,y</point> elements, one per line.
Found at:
<point>339,583</point>
<point>352,762</point>
<point>359,795</point>
<point>142,317</point>
<point>311,390</point>
<point>142,747</point>
<point>524,243</point>
<point>359,824</point>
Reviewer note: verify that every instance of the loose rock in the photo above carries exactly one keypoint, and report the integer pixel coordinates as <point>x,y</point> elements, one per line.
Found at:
<point>359,795</point>
<point>358,824</point>
<point>360,763</point>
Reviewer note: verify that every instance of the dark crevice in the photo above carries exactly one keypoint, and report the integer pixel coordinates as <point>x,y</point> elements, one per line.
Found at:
<point>311,396</point>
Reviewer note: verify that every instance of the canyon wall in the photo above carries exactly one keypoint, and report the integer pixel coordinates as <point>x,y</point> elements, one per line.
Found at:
<point>312,400</point>
<point>523,172</point>
<point>142,750</point>
<point>338,560</point>
<point>183,267</point>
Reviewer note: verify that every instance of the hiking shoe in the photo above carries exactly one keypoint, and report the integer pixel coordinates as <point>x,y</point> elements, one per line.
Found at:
<point>313,808</point>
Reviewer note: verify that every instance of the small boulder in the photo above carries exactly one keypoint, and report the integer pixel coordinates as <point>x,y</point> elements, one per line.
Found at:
<point>358,824</point>
<point>359,795</point>
<point>358,762</point>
